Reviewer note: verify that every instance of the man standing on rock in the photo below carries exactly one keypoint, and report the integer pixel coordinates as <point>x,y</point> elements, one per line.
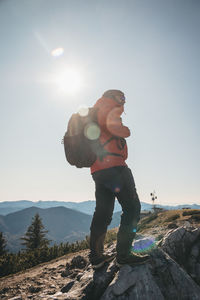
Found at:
<point>113,179</point>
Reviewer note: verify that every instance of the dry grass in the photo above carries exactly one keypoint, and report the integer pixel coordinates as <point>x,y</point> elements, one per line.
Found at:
<point>165,218</point>
<point>159,223</point>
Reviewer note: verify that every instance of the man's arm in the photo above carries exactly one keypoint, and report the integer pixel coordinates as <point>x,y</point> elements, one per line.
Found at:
<point>114,123</point>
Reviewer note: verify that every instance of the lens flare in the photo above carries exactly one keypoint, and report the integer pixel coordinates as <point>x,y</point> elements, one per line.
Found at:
<point>57,52</point>
<point>92,131</point>
<point>117,190</point>
<point>69,81</point>
<point>83,111</point>
<point>144,244</point>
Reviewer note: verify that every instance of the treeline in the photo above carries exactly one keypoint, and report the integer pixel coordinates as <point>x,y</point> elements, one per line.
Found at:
<point>12,263</point>
<point>37,249</point>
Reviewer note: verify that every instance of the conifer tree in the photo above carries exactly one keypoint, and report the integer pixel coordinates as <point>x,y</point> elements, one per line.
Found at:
<point>35,235</point>
<point>2,244</point>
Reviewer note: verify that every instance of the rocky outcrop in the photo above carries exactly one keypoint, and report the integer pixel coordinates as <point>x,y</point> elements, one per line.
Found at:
<point>183,245</point>
<point>171,273</point>
<point>160,278</point>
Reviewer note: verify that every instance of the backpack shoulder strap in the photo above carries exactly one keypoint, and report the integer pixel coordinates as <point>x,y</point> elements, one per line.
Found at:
<point>105,152</point>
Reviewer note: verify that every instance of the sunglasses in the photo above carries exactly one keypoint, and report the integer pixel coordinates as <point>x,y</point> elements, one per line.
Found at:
<point>120,99</point>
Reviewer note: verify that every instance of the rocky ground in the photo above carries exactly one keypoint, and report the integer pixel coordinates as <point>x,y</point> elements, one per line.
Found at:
<point>40,282</point>
<point>172,272</point>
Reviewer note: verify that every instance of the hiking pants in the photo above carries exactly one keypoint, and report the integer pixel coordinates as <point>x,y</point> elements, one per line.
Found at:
<point>110,183</point>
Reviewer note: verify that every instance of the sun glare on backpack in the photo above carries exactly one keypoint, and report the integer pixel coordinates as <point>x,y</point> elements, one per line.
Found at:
<point>69,82</point>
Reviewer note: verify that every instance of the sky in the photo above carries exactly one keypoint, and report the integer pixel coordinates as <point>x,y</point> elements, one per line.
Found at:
<point>56,56</point>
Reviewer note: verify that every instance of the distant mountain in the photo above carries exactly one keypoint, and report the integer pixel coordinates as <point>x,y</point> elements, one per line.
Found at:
<point>86,207</point>
<point>7,207</point>
<point>64,225</point>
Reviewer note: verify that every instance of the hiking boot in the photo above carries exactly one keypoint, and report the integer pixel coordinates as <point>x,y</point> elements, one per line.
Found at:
<point>132,259</point>
<point>99,262</point>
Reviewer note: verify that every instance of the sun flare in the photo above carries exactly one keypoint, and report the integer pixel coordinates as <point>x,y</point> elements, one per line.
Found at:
<point>69,81</point>
<point>57,52</point>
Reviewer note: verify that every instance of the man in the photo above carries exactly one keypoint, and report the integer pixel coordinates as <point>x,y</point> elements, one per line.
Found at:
<point>113,179</point>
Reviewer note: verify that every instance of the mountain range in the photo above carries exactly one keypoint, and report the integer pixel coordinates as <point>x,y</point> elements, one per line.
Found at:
<point>64,224</point>
<point>86,207</point>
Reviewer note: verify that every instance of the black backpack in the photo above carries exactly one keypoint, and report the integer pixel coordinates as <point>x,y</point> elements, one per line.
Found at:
<point>81,140</point>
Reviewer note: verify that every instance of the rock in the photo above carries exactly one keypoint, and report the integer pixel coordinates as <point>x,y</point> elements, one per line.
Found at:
<point>66,273</point>
<point>51,292</point>
<point>122,282</point>
<point>159,279</point>
<point>34,289</point>
<point>195,250</point>
<point>133,283</point>
<point>74,274</point>
<point>79,275</point>
<point>187,224</point>
<point>92,284</point>
<point>183,245</point>
<point>52,269</point>
<point>55,296</point>
<point>70,273</point>
<point>4,290</point>
<point>172,225</point>
<point>67,287</point>
<point>78,262</point>
<point>73,268</point>
<point>173,281</point>
<point>173,272</point>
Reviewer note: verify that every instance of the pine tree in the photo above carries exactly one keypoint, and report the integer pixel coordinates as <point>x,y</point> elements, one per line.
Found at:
<point>35,235</point>
<point>2,244</point>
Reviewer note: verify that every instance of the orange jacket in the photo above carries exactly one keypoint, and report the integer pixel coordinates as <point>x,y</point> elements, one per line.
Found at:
<point>110,123</point>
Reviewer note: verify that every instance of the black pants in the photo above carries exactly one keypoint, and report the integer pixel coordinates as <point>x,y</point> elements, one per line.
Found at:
<point>110,183</point>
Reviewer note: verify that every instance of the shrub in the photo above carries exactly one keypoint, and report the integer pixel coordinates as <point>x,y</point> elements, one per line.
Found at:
<point>172,218</point>
<point>191,212</point>
<point>13,263</point>
<point>111,236</point>
<point>195,217</point>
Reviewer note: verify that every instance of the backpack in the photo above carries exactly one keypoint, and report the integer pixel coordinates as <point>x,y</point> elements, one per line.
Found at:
<point>81,140</point>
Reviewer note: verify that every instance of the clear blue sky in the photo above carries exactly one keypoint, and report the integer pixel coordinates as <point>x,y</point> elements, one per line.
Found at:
<point>150,49</point>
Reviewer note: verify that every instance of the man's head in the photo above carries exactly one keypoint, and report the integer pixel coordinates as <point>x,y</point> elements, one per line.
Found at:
<point>116,95</point>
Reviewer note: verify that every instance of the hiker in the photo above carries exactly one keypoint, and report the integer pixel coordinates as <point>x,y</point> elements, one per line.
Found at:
<point>112,179</point>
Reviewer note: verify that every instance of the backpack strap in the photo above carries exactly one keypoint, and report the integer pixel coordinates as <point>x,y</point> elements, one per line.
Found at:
<point>109,140</point>
<point>105,152</point>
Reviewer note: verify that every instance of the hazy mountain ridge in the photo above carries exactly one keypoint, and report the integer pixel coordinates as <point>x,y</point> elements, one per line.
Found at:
<point>86,207</point>
<point>63,224</point>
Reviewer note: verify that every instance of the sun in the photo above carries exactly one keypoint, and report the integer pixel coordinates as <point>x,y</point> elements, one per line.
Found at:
<point>69,81</point>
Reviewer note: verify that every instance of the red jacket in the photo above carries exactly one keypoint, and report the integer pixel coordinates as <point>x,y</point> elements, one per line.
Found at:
<point>109,119</point>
